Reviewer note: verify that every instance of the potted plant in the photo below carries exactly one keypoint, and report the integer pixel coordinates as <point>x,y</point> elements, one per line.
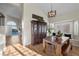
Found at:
<point>59,37</point>
<point>59,34</point>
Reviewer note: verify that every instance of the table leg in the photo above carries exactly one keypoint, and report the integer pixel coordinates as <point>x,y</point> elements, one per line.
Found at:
<point>58,49</point>
<point>44,45</point>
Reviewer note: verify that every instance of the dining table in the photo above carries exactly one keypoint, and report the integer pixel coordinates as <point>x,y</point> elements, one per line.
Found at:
<point>58,47</point>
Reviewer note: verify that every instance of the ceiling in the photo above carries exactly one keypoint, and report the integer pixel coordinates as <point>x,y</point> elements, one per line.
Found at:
<point>62,9</point>
<point>11,9</point>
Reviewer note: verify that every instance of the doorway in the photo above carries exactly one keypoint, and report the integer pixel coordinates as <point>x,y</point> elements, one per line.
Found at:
<point>13,33</point>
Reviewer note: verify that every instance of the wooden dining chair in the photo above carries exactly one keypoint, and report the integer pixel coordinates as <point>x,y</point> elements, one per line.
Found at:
<point>50,49</point>
<point>68,50</point>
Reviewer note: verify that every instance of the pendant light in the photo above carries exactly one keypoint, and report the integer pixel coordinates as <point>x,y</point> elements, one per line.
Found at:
<point>51,13</point>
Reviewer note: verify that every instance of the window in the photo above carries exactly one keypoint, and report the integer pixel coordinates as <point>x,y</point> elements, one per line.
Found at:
<point>52,26</point>
<point>12,25</point>
<point>65,27</point>
<point>12,28</point>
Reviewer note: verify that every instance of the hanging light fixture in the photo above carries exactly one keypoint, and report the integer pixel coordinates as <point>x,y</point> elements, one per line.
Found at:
<point>51,13</point>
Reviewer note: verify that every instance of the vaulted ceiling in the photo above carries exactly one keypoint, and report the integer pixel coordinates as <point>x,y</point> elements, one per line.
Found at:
<point>62,9</point>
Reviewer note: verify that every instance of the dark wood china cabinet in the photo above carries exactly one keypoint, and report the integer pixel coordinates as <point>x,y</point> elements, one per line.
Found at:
<point>38,31</point>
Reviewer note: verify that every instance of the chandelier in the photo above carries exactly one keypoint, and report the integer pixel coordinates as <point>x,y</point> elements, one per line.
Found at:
<point>51,13</point>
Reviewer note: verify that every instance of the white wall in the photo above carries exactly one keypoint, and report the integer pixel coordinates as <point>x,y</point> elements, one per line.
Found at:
<point>26,21</point>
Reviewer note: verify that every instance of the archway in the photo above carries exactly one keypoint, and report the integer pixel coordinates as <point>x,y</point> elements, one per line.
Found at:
<point>12,28</point>
<point>12,36</point>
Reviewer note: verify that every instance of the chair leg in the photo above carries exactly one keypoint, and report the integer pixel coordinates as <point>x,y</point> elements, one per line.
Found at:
<point>71,47</point>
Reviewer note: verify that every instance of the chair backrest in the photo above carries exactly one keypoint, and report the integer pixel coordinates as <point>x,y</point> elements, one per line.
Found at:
<point>68,35</point>
<point>53,34</point>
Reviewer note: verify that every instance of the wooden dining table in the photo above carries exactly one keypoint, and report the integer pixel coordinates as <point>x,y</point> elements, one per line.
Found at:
<point>58,47</point>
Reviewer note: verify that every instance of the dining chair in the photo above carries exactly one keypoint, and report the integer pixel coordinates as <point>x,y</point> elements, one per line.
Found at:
<point>68,50</point>
<point>50,49</point>
<point>68,35</point>
<point>53,34</point>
